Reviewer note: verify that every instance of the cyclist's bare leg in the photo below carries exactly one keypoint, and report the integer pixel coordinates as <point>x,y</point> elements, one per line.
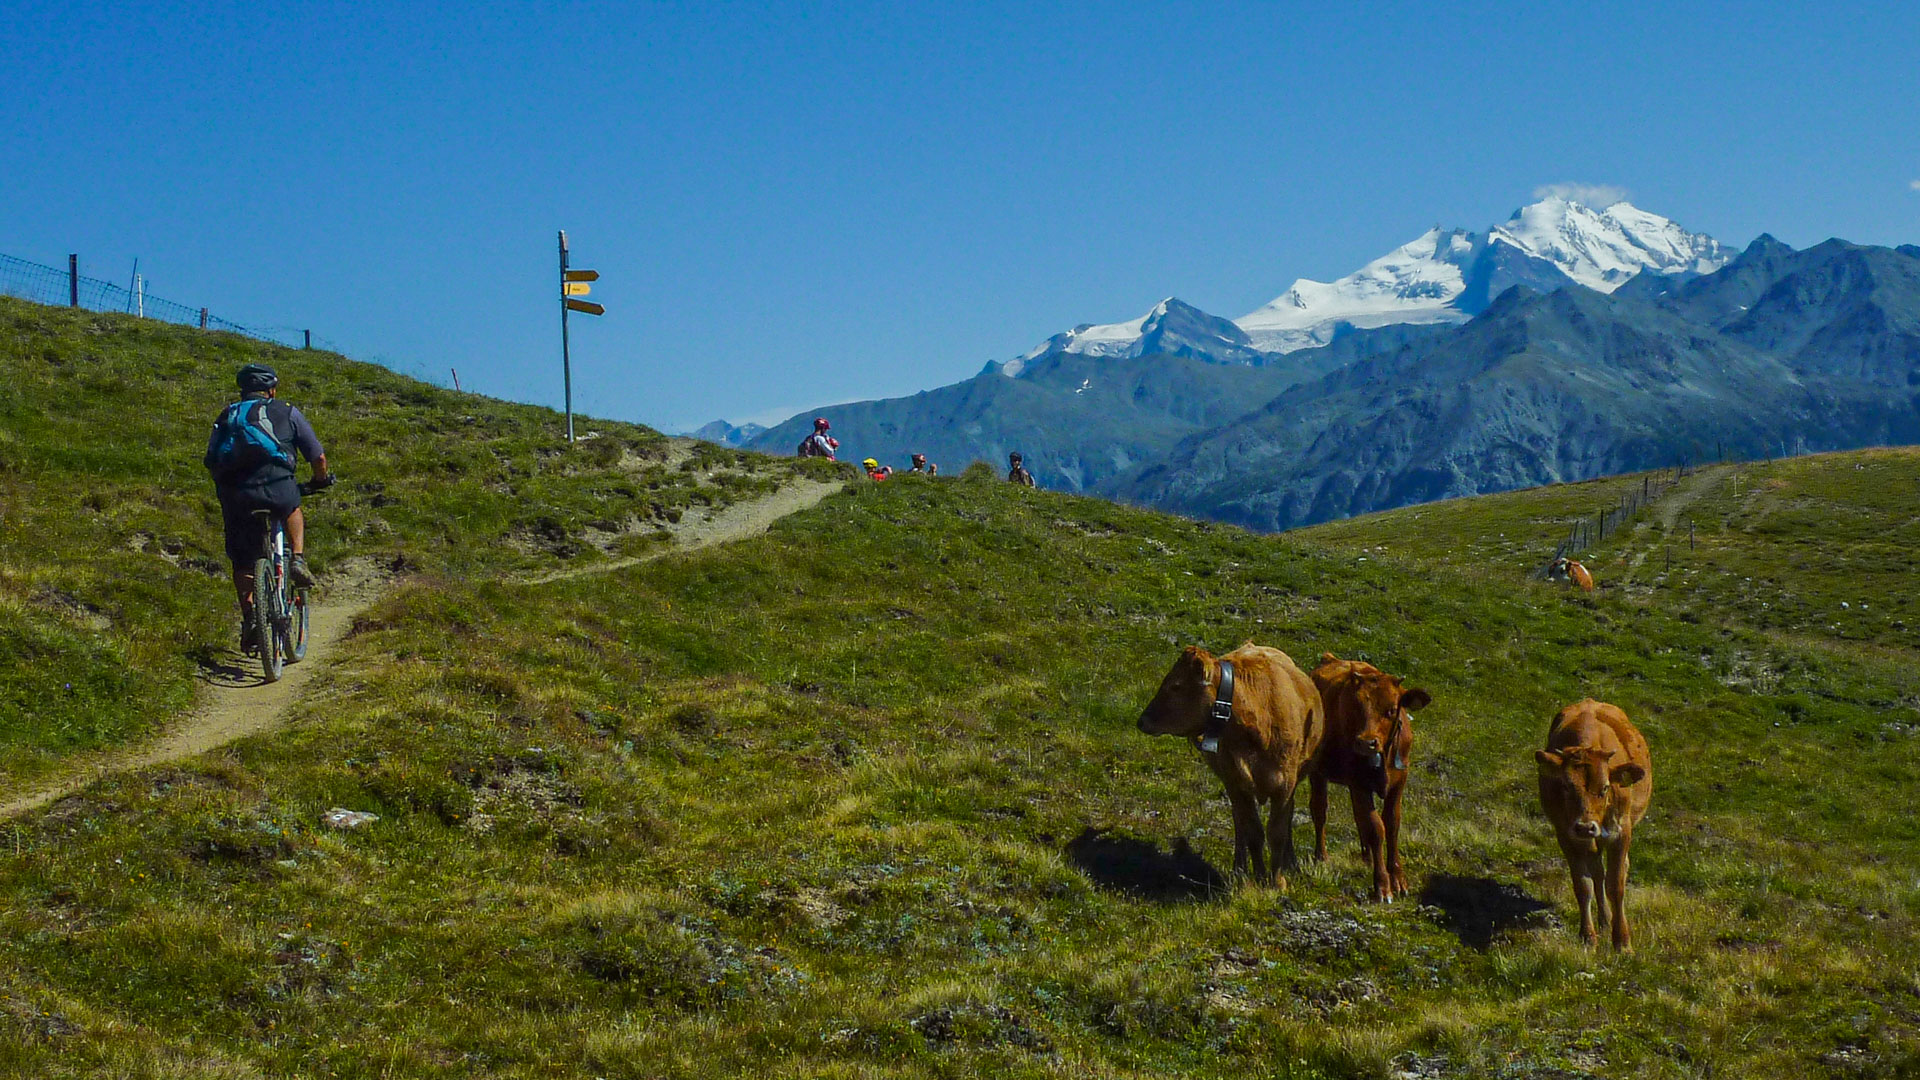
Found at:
<point>243,587</point>
<point>296,532</point>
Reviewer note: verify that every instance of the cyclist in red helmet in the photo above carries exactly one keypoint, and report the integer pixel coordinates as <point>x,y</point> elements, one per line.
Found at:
<point>819,444</point>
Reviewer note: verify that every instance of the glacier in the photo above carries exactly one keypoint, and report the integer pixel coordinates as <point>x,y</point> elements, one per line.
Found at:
<point>1444,275</point>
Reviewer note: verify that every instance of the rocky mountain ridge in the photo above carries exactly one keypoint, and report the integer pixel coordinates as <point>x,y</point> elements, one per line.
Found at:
<point>1776,352</point>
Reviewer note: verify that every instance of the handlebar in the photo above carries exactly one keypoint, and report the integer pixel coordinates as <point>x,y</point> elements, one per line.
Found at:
<point>321,484</point>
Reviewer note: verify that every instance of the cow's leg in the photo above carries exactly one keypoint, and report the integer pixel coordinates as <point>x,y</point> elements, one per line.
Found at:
<point>1366,820</point>
<point>1396,874</point>
<point>1597,878</point>
<point>1617,893</point>
<point>1247,844</point>
<point>1577,865</point>
<point>1280,837</point>
<point>1317,806</point>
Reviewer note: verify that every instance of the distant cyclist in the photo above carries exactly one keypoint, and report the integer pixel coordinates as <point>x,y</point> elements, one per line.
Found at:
<point>1017,471</point>
<point>819,444</point>
<point>251,455</point>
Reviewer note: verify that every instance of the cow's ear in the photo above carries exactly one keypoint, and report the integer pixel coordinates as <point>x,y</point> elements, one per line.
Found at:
<point>1548,758</point>
<point>1327,658</point>
<point>1416,699</point>
<point>1628,774</point>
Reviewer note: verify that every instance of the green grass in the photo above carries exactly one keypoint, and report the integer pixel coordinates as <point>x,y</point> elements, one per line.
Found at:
<point>1492,534</point>
<point>113,588</point>
<point>851,799</point>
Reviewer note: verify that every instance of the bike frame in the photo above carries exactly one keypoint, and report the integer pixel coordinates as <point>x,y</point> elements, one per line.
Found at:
<point>286,607</point>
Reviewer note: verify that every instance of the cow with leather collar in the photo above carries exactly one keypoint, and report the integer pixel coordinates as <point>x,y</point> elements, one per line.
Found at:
<point>1264,746</point>
<point>1369,743</point>
<point>1596,779</point>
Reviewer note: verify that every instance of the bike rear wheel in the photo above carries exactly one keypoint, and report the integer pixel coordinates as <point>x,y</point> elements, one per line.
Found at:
<point>266,615</point>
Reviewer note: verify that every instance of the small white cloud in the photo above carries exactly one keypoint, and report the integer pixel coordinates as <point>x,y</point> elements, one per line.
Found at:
<point>1915,185</point>
<point>1599,196</point>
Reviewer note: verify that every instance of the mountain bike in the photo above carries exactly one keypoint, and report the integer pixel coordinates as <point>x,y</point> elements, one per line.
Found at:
<point>281,611</point>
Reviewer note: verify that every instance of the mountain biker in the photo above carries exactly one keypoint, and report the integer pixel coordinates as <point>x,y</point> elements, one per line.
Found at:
<point>260,476</point>
<point>819,444</point>
<point>1016,472</point>
<point>921,467</point>
<point>875,470</point>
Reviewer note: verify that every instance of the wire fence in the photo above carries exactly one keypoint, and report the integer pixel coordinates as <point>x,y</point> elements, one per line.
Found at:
<point>1588,531</point>
<point>44,284</point>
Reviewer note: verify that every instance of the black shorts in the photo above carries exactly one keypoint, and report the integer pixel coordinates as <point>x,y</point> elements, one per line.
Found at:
<point>246,534</point>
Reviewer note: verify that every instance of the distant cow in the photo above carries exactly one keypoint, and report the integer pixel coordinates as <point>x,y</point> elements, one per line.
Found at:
<point>1564,569</point>
<point>1596,778</point>
<point>1368,743</point>
<point>1266,743</point>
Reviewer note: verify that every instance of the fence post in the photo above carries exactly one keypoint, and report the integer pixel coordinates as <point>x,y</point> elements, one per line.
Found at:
<point>309,339</point>
<point>203,318</point>
<point>73,281</point>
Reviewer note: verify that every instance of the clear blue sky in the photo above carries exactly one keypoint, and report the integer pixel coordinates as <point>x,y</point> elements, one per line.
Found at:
<point>792,205</point>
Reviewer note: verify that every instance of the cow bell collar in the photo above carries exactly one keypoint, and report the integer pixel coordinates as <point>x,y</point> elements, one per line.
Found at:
<point>1377,760</point>
<point>1220,713</point>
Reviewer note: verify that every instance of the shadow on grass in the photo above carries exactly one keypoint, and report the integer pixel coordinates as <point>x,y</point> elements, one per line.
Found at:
<point>1131,865</point>
<point>1480,909</point>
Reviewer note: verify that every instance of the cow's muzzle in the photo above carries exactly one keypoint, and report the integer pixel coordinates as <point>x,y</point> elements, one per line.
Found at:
<point>1368,751</point>
<point>1587,830</point>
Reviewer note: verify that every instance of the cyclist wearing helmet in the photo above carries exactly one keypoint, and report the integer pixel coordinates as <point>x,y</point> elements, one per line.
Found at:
<point>819,444</point>
<point>921,466</point>
<point>1017,470</point>
<point>252,475</point>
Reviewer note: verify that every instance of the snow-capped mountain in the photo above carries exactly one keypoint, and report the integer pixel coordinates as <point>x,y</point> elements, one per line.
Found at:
<point>1171,327</point>
<point>1446,275</point>
<point>1414,283</point>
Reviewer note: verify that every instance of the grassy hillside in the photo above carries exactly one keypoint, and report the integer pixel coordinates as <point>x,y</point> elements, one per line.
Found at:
<point>1494,535</point>
<point>113,587</point>
<point>1819,550</point>
<point>864,798</point>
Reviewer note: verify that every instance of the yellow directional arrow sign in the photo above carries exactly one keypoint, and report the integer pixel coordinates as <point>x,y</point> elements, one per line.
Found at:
<point>580,275</point>
<point>576,288</point>
<point>585,307</point>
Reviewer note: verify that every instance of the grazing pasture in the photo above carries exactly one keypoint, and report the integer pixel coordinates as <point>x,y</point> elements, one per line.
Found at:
<point>865,797</point>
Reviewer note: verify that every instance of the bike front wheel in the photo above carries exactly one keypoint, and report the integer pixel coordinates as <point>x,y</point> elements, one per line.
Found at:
<point>297,632</point>
<point>266,613</point>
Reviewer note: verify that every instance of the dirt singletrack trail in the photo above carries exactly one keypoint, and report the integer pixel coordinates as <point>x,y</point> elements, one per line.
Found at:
<point>734,522</point>
<point>1648,536</point>
<point>236,704</point>
<point>1691,490</point>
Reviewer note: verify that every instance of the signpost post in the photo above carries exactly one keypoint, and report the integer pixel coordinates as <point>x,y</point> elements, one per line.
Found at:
<point>573,283</point>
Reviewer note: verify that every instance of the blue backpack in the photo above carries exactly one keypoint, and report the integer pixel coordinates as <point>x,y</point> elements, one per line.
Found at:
<point>244,441</point>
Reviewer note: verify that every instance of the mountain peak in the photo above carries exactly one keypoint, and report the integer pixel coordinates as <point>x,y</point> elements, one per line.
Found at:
<point>1441,276</point>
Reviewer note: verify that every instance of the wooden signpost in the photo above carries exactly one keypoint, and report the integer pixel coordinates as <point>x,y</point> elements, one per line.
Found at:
<point>573,284</point>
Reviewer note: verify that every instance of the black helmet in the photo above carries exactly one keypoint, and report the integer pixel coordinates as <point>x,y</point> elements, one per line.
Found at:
<point>257,377</point>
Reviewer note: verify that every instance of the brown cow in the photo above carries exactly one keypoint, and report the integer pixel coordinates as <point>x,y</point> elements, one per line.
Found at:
<point>1264,749</point>
<point>1565,569</point>
<point>1368,743</point>
<point>1596,778</point>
